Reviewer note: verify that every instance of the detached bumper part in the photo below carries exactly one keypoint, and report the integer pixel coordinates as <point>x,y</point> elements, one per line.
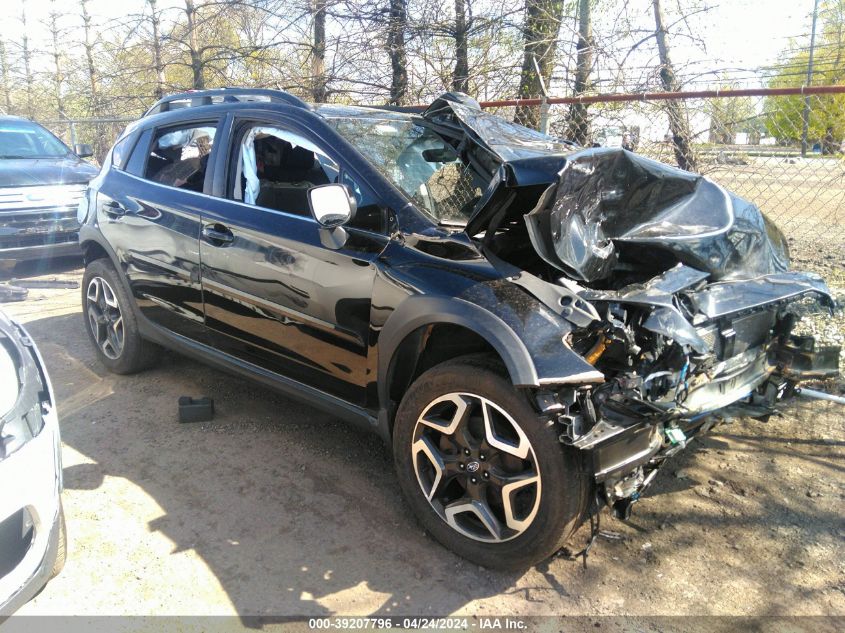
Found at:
<point>800,359</point>
<point>39,578</point>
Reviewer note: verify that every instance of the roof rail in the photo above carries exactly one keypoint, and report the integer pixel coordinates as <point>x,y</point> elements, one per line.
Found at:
<point>214,96</point>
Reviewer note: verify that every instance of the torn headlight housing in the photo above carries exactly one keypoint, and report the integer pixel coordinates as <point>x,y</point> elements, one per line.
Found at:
<point>22,392</point>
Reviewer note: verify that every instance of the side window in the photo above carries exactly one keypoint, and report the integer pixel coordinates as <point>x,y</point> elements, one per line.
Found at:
<point>277,167</point>
<point>120,151</point>
<point>179,156</point>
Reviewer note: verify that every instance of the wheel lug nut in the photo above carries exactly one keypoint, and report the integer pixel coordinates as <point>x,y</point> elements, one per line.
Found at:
<point>466,451</point>
<point>486,475</point>
<point>461,466</point>
<point>481,457</point>
<point>474,480</point>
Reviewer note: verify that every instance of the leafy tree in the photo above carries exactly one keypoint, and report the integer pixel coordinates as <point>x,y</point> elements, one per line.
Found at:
<point>729,116</point>
<point>784,115</point>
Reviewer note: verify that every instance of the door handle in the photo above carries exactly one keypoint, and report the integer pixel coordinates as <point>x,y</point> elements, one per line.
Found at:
<point>217,234</point>
<point>114,209</point>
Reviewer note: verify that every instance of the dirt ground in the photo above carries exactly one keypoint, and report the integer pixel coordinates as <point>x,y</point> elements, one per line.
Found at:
<point>274,508</point>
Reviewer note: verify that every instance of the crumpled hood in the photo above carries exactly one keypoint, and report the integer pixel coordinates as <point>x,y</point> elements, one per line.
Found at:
<point>458,114</point>
<point>594,208</point>
<point>610,204</point>
<point>45,171</point>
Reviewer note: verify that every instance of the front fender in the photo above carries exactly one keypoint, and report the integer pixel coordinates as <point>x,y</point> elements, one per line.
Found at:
<point>527,336</point>
<point>422,310</point>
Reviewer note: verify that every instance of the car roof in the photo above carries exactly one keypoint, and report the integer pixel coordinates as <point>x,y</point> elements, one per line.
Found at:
<point>202,103</point>
<point>332,111</point>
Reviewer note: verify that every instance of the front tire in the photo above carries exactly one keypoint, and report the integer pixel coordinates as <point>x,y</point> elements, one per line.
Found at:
<point>110,321</point>
<point>484,475</point>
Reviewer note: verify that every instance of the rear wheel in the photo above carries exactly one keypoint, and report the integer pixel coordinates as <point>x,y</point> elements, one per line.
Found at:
<point>111,323</point>
<point>482,472</point>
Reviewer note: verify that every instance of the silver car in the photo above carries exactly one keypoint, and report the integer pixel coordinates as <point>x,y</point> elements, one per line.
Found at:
<point>32,525</point>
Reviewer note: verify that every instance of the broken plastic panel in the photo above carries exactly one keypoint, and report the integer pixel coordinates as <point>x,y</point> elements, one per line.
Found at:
<point>508,141</point>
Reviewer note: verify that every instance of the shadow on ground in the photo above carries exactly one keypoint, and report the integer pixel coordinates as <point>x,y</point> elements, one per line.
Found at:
<point>297,514</point>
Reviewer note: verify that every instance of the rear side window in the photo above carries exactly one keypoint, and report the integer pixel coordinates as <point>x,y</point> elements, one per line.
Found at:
<point>120,151</point>
<point>179,156</point>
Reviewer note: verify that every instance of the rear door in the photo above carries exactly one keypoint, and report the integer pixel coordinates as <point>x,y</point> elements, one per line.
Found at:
<point>151,215</point>
<point>275,295</point>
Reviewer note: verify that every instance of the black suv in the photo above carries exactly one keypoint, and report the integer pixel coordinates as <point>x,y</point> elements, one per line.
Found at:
<point>534,327</point>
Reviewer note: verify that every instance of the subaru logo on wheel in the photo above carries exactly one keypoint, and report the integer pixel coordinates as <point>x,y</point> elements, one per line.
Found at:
<point>473,466</point>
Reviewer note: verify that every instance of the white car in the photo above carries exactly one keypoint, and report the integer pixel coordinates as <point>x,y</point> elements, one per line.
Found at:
<point>32,524</point>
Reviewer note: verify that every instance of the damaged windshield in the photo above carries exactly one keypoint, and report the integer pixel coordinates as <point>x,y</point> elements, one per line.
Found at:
<point>417,161</point>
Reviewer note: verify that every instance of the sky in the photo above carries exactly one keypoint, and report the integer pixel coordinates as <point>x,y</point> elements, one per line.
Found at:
<point>737,34</point>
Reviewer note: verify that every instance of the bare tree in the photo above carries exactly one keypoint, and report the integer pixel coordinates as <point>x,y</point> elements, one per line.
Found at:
<point>579,124</point>
<point>460,77</point>
<point>58,76</point>
<point>319,82</point>
<point>26,53</point>
<point>88,45</point>
<point>5,80</point>
<point>678,123</point>
<point>396,29</point>
<point>540,32</point>
<point>198,81</point>
<point>466,45</point>
<point>155,24</point>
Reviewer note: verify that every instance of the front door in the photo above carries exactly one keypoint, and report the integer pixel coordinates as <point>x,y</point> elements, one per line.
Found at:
<point>275,295</point>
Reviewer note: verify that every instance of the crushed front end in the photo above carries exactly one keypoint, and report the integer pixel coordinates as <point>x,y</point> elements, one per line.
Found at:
<point>676,291</point>
<point>693,309</point>
<point>680,355</point>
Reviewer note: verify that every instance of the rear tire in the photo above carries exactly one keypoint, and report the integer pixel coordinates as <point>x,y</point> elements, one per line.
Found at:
<point>110,321</point>
<point>504,492</point>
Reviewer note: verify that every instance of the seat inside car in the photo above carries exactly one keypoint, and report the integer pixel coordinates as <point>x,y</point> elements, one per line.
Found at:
<point>286,173</point>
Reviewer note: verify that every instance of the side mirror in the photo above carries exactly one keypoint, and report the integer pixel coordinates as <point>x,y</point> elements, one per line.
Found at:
<point>331,205</point>
<point>83,150</point>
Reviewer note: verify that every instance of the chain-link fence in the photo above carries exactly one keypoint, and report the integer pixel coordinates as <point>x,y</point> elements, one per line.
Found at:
<point>100,133</point>
<point>781,149</point>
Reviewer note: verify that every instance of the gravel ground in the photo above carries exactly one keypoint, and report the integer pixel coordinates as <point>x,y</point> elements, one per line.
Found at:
<point>276,509</point>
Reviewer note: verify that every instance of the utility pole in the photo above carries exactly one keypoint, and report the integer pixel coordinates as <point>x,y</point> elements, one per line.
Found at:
<point>805,118</point>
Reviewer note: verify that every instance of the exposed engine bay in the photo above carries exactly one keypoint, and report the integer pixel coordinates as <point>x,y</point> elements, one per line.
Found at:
<point>677,292</point>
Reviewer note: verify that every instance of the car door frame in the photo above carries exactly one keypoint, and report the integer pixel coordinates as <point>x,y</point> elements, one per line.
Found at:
<point>171,315</point>
<point>302,123</point>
